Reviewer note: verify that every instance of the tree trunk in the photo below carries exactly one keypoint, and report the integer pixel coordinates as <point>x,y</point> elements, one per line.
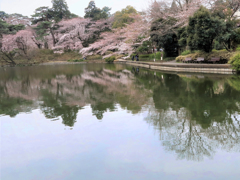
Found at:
<point>1,37</point>
<point>54,39</point>
<point>39,45</point>
<point>45,45</point>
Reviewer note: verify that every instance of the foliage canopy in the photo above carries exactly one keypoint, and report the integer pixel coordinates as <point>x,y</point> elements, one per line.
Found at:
<point>121,18</point>
<point>96,13</point>
<point>202,29</point>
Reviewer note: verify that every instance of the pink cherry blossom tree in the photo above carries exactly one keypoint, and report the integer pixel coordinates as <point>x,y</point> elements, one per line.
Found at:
<point>17,44</point>
<point>119,41</point>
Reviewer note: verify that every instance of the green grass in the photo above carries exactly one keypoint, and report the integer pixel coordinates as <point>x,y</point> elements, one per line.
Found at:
<point>156,56</point>
<point>44,55</point>
<point>184,53</point>
<point>110,59</point>
<point>223,54</point>
<point>75,60</point>
<point>94,57</point>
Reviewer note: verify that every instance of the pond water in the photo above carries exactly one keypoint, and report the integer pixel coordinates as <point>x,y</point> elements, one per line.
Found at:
<point>117,122</point>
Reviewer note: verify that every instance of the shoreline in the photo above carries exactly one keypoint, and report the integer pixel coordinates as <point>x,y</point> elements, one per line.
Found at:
<point>54,63</point>
<point>162,66</point>
<point>182,67</point>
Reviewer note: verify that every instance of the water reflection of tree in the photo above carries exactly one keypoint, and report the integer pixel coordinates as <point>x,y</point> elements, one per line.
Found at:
<point>111,88</point>
<point>53,106</point>
<point>62,91</point>
<point>195,116</point>
<point>180,135</point>
<point>12,105</point>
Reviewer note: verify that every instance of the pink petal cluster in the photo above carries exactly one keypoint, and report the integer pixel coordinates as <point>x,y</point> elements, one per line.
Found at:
<point>119,41</point>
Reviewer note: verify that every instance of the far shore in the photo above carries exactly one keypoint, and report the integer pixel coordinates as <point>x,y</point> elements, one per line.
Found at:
<point>158,65</point>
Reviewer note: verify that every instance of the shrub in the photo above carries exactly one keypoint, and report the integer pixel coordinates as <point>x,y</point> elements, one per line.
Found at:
<point>158,55</point>
<point>186,52</point>
<point>110,59</point>
<point>180,58</point>
<point>217,45</point>
<point>144,56</point>
<point>46,51</point>
<point>151,56</point>
<point>169,58</point>
<point>235,62</point>
<point>75,60</point>
<point>94,57</point>
<point>108,52</point>
<point>132,55</point>
<point>120,56</point>
<point>223,54</point>
<point>50,58</point>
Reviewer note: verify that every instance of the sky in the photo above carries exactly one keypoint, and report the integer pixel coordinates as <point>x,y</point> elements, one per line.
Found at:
<point>27,7</point>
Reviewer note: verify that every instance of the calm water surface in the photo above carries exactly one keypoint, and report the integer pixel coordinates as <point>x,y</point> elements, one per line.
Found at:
<point>116,122</point>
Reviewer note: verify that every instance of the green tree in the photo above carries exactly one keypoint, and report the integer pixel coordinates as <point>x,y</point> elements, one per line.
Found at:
<point>163,37</point>
<point>44,17</point>
<point>3,15</point>
<point>123,17</point>
<point>3,30</point>
<point>60,9</point>
<point>182,36</point>
<point>144,48</point>
<point>47,19</point>
<point>230,36</point>
<point>3,27</point>
<point>96,13</point>
<point>202,29</point>
<point>106,10</point>
<point>6,28</point>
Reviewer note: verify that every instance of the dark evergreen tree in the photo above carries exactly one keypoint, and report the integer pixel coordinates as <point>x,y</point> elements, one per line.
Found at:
<point>230,35</point>
<point>3,15</point>
<point>165,38</point>
<point>60,9</point>
<point>106,10</point>
<point>96,13</point>
<point>202,29</point>
<point>46,24</point>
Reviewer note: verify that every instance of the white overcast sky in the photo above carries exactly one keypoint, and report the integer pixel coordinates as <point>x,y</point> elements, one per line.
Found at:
<point>27,7</point>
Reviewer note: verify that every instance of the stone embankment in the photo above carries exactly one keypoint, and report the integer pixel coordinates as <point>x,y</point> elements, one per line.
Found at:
<point>67,62</point>
<point>182,67</point>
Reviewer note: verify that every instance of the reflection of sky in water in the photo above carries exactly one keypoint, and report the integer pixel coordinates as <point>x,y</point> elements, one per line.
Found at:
<point>120,146</point>
<point>111,122</point>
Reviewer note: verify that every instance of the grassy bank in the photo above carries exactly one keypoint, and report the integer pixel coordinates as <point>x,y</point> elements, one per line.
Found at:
<point>232,58</point>
<point>150,57</point>
<point>42,55</point>
<point>223,54</point>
